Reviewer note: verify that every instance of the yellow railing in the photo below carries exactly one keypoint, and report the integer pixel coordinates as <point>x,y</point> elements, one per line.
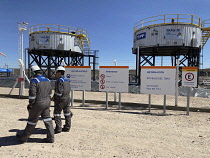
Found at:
<point>205,31</point>
<point>206,23</point>
<point>81,33</point>
<point>169,19</point>
<point>51,28</point>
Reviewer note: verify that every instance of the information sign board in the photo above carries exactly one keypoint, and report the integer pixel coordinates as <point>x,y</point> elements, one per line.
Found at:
<point>79,76</point>
<point>113,78</point>
<point>158,80</point>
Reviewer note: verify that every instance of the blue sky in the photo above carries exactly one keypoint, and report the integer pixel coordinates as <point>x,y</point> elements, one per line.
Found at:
<point>109,23</point>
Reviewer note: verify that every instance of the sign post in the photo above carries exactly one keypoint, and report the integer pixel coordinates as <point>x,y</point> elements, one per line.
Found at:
<point>177,80</point>
<point>189,79</point>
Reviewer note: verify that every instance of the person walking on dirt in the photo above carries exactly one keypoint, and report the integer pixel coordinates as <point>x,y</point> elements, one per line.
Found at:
<point>62,101</point>
<point>39,104</point>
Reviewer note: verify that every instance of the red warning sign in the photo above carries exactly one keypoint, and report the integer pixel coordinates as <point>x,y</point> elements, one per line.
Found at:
<point>20,79</point>
<point>189,76</point>
<point>102,86</point>
<point>102,81</point>
<point>102,76</point>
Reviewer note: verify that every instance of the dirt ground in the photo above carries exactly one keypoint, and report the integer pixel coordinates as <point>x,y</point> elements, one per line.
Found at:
<point>100,133</point>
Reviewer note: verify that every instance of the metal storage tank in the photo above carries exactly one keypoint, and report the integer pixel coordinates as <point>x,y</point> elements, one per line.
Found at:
<point>51,45</point>
<point>168,35</point>
<point>179,36</point>
<point>64,38</point>
<point>168,31</point>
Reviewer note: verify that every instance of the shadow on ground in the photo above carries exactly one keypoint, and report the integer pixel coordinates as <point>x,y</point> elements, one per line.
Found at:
<point>144,110</point>
<point>12,140</point>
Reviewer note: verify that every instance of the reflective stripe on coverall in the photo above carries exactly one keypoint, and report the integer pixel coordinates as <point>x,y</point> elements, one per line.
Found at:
<point>62,102</point>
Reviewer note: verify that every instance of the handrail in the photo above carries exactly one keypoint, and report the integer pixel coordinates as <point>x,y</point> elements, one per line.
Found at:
<point>52,27</point>
<point>206,23</point>
<point>205,31</point>
<point>81,33</point>
<point>169,19</point>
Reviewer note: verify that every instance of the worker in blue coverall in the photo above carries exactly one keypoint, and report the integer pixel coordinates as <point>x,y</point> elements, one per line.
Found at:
<point>39,104</point>
<point>62,101</point>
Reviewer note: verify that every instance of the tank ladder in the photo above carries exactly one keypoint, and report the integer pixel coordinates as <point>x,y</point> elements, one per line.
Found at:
<point>205,32</point>
<point>83,36</point>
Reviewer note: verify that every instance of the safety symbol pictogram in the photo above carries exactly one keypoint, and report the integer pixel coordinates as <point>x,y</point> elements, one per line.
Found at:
<point>189,76</point>
<point>102,81</point>
<point>102,76</point>
<point>102,86</point>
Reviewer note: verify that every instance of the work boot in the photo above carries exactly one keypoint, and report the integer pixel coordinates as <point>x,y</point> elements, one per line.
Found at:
<point>22,138</point>
<point>65,129</point>
<point>57,131</point>
<point>26,134</point>
<point>48,140</point>
<point>71,114</point>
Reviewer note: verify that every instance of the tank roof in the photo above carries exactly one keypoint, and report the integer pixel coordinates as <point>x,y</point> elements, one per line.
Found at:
<point>168,19</point>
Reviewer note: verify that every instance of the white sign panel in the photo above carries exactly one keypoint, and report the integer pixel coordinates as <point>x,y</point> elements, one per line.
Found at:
<point>189,76</point>
<point>113,78</point>
<point>174,34</point>
<point>79,76</point>
<point>44,39</point>
<point>158,80</point>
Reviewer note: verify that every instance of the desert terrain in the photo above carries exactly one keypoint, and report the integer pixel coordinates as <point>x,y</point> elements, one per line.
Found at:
<point>100,133</point>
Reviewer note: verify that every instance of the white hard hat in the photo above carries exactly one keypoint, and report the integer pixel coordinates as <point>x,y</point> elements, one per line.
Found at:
<point>60,68</point>
<point>35,68</point>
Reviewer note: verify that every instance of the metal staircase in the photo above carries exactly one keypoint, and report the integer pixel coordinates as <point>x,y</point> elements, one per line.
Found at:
<point>205,32</point>
<point>83,36</point>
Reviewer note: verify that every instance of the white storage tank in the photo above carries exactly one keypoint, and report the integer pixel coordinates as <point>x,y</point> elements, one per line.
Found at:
<point>57,37</point>
<point>168,30</point>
